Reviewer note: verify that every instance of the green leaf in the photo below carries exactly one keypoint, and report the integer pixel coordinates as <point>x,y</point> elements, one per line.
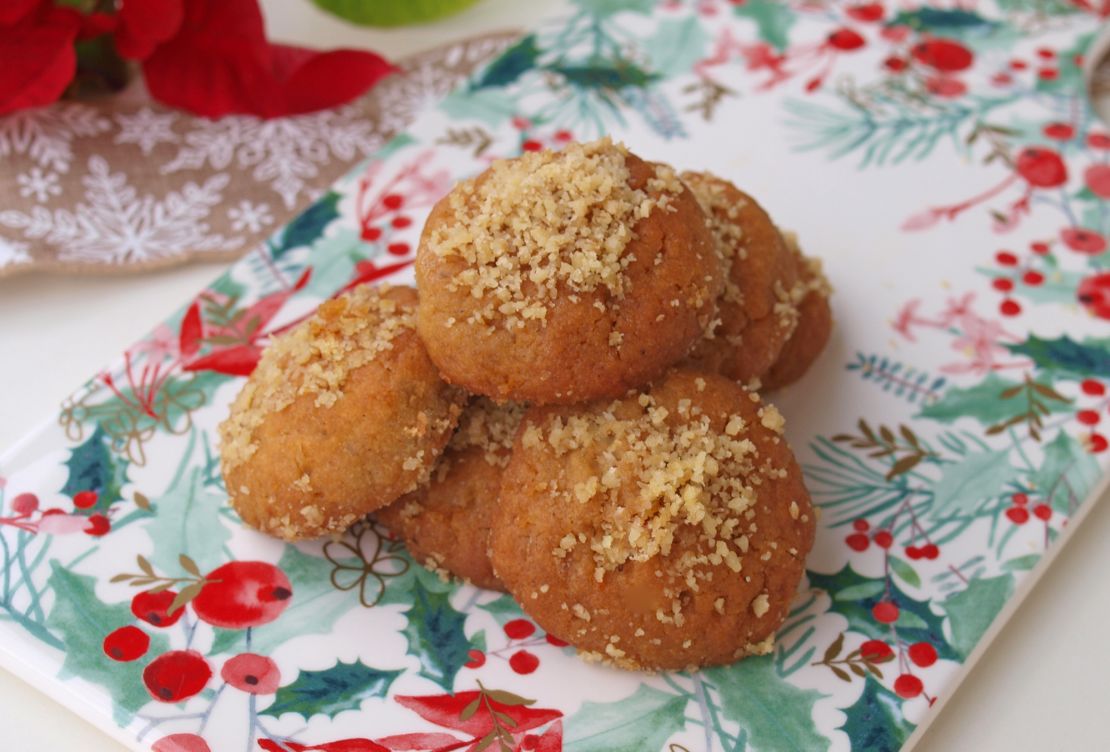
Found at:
<point>510,65</point>
<point>943,20</point>
<point>388,14</point>
<point>1067,473</point>
<point>985,402</point>
<point>916,620</point>
<point>904,571</point>
<point>644,720</point>
<point>1091,357</point>
<point>775,713</point>
<point>676,45</point>
<point>188,522</point>
<point>329,692</point>
<point>503,609</point>
<point>489,106</point>
<point>615,76</point>
<point>772,18</point>
<point>1022,563</point>
<point>92,466</point>
<point>334,258</point>
<point>875,722</point>
<point>971,611</point>
<point>862,590</point>
<point>308,225</point>
<point>965,485</point>
<point>609,7</point>
<point>82,622</point>
<point>435,634</point>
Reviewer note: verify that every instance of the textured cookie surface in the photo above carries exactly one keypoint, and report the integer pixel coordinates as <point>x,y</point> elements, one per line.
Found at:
<point>667,529</point>
<point>445,524</point>
<point>559,277</point>
<point>343,414</point>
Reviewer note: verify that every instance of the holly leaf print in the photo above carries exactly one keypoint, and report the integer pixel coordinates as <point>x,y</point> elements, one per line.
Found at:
<point>435,634</point>
<point>329,692</point>
<point>82,622</point>
<point>773,20</point>
<point>92,466</point>
<point>510,65</point>
<point>188,521</point>
<point>308,226</point>
<point>875,722</point>
<point>1067,474</point>
<point>775,713</point>
<point>1091,357</point>
<point>971,611</point>
<point>965,485</point>
<point>643,720</point>
<point>982,402</point>
<point>676,45</point>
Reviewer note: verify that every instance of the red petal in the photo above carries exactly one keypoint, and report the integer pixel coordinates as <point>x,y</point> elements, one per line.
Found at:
<point>95,24</point>
<point>419,742</point>
<point>234,361</point>
<point>343,745</point>
<point>145,24</point>
<point>217,64</point>
<point>191,330</point>
<point>329,79</point>
<point>12,11</point>
<point>552,739</point>
<point>39,62</point>
<point>445,710</point>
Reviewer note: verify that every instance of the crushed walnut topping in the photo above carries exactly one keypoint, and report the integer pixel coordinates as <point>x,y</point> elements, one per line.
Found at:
<point>490,427</point>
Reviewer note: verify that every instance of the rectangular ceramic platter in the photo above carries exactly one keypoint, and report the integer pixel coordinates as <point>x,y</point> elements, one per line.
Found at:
<point>944,164</point>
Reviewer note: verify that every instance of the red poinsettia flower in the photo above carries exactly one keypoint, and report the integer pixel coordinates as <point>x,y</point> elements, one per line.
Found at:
<point>211,57</point>
<point>36,45</point>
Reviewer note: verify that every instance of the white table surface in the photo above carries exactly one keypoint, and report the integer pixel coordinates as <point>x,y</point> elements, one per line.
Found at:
<point>1043,685</point>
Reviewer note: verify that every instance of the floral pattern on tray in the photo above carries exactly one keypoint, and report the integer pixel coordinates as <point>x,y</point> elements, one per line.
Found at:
<point>944,163</point>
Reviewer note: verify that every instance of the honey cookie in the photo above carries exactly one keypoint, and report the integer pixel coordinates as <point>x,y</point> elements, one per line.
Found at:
<point>815,323</point>
<point>559,277</point>
<point>445,524</point>
<point>343,414</point>
<point>664,530</point>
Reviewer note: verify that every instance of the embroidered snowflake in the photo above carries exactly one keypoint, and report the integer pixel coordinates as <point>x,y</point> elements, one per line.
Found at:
<point>249,217</point>
<point>13,253</point>
<point>115,225</point>
<point>41,185</point>
<point>46,134</point>
<point>284,152</point>
<point>146,129</point>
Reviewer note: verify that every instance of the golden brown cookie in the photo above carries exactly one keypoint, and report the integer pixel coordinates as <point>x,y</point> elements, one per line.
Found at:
<point>757,311</point>
<point>558,277</point>
<point>664,530</point>
<point>344,414</point>
<point>815,323</point>
<point>445,524</point>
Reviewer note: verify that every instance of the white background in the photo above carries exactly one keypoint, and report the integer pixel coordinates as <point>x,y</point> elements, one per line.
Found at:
<point>1044,683</point>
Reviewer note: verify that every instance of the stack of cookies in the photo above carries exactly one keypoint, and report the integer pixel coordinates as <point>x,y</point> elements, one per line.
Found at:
<point>570,412</point>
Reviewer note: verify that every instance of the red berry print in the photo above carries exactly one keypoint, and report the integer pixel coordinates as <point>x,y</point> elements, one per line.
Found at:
<point>1098,140</point>
<point>908,686</point>
<point>1059,131</point>
<point>885,612</point>
<point>1018,515</point>
<point>1042,512</point>
<point>883,539</point>
<point>875,650</point>
<point>946,87</point>
<point>1020,499</point>
<point>1042,168</point>
<point>1040,249</point>
<point>1096,443</point>
<point>861,526</point>
<point>393,201</point>
<point>25,504</point>
<point>531,145</point>
<point>85,499</point>
<point>1048,74</point>
<point>923,654</point>
<point>1082,240</point>
<point>252,673</point>
<point>1018,65</point>
<point>1002,79</point>
<point>371,234</point>
<point>477,659</point>
<point>1090,387</point>
<point>98,526</point>
<point>930,551</point>
<point>518,629</point>
<point>1002,284</point>
<point>1087,417</point>
<point>1009,308</point>
<point>153,608</point>
<point>1046,53</point>
<point>1033,278</point>
<point>553,640</point>
<point>944,55</point>
<point>846,40</point>
<point>866,12</point>
<point>521,124</point>
<point>1006,258</point>
<point>126,644</point>
<point>913,552</point>
<point>895,64</point>
<point>564,136</point>
<point>1097,178</point>
<point>400,223</point>
<point>176,675</point>
<point>857,542</point>
<point>1094,294</point>
<point>398,249</point>
<point>180,743</point>
<point>243,594</point>
<point>523,662</point>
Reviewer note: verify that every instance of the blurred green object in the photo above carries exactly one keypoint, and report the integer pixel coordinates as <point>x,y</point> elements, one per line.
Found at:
<point>392,12</point>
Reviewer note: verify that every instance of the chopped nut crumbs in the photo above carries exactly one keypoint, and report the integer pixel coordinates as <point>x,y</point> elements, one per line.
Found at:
<point>794,511</point>
<point>544,224</point>
<point>489,426</point>
<point>772,419</point>
<point>315,358</point>
<point>760,605</point>
<point>303,483</point>
<point>580,611</point>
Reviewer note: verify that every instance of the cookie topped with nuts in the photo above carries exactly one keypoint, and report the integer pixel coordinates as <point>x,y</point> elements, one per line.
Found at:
<point>585,256</point>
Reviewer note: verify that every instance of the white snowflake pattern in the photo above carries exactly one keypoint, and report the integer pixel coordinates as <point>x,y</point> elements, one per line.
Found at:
<point>41,185</point>
<point>116,225</point>
<point>46,134</point>
<point>13,253</point>
<point>284,152</point>
<point>249,217</point>
<point>146,128</point>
